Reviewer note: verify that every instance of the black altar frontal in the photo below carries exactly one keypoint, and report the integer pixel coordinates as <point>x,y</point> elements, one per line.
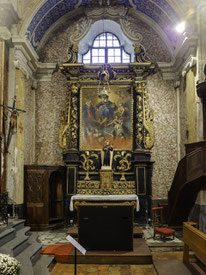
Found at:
<point>108,106</point>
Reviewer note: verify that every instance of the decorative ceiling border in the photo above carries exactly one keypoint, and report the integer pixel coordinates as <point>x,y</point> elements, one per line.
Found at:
<point>51,11</point>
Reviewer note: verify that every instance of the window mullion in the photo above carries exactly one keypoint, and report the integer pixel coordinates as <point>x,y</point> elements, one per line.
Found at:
<point>106,55</point>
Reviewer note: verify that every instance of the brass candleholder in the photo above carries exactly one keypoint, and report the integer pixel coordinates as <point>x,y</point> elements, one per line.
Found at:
<point>124,163</point>
<point>87,163</point>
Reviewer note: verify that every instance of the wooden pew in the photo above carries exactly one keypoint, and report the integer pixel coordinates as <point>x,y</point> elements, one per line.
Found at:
<point>194,240</point>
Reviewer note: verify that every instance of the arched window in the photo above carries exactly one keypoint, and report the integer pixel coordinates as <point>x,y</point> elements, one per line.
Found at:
<point>106,48</point>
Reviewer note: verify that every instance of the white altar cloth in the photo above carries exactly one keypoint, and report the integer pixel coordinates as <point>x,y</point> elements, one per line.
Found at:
<point>104,198</point>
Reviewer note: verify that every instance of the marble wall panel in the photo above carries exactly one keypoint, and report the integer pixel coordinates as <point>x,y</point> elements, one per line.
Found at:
<point>162,99</point>
<point>50,101</point>
<point>183,118</point>
<point>29,124</point>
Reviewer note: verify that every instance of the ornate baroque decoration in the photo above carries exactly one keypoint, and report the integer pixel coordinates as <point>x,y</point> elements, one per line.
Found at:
<point>97,12</point>
<point>94,188</point>
<point>72,53</point>
<point>81,28</point>
<point>88,163</point>
<point>124,163</point>
<point>161,12</point>
<point>129,30</point>
<point>144,127</point>
<point>83,82</point>
<point>68,132</point>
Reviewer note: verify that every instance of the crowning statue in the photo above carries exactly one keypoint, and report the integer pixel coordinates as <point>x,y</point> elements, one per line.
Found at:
<point>107,156</point>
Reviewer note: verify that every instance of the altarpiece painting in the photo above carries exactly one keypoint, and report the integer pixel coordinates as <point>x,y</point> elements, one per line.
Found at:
<point>106,115</point>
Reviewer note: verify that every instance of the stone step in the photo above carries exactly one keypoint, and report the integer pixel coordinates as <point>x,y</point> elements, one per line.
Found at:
<point>7,235</point>
<point>18,224</point>
<point>41,267</point>
<point>28,257</point>
<point>18,244</point>
<point>171,267</point>
<point>33,250</point>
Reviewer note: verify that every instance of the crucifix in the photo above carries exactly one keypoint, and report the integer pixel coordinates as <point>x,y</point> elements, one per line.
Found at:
<point>14,112</point>
<point>12,123</point>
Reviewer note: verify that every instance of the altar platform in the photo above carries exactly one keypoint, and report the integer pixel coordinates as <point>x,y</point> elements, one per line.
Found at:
<point>141,253</point>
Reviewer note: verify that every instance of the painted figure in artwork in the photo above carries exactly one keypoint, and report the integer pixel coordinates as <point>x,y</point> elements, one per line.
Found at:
<point>106,115</point>
<point>106,107</point>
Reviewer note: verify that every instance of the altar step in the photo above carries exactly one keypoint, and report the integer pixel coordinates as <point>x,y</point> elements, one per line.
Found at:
<point>140,255</point>
<point>137,231</point>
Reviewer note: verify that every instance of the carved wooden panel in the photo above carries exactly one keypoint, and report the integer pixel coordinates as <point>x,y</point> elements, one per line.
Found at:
<point>34,186</point>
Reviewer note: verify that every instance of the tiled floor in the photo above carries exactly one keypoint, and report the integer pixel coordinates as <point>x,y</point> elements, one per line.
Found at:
<point>65,269</point>
<point>158,247</point>
<point>92,269</point>
<point>59,236</point>
<point>51,237</point>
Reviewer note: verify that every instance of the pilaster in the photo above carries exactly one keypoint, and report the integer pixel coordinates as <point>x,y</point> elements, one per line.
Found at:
<point>177,88</point>
<point>8,17</point>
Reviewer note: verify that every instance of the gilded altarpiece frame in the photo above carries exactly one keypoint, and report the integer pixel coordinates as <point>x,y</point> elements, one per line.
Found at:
<point>126,88</point>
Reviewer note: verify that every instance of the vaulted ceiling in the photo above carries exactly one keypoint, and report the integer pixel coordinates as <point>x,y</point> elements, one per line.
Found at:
<point>42,15</point>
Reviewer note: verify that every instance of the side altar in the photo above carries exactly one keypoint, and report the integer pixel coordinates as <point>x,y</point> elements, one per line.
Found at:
<point>107,112</point>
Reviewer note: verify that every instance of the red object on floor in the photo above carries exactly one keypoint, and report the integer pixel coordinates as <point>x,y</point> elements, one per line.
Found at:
<point>60,251</point>
<point>165,231</point>
<point>158,224</point>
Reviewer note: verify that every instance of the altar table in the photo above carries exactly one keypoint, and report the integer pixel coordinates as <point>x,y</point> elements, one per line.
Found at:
<point>105,222</point>
<point>108,198</point>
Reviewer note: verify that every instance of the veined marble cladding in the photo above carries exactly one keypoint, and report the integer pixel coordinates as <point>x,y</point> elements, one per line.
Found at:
<point>183,118</point>
<point>162,99</point>
<point>29,124</point>
<point>50,101</point>
<point>156,50</point>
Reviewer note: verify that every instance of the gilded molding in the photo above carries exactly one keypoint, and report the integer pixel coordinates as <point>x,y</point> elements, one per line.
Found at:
<point>144,126</point>
<point>110,191</point>
<point>73,142</point>
<point>88,162</point>
<point>72,53</point>
<point>68,131</point>
<point>88,184</point>
<point>124,162</point>
<point>85,203</point>
<point>123,185</point>
<point>148,116</point>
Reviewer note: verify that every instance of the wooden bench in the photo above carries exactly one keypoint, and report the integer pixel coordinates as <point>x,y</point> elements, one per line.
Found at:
<point>194,240</point>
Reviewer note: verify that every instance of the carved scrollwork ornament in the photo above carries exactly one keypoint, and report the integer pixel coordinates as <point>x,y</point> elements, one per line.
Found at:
<point>144,137</point>
<point>124,163</point>
<point>68,131</point>
<point>63,131</point>
<point>140,54</point>
<point>72,53</point>
<point>88,163</point>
